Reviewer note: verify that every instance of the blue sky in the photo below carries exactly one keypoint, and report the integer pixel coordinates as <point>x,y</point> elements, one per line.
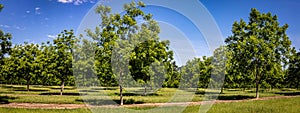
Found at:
<point>40,20</point>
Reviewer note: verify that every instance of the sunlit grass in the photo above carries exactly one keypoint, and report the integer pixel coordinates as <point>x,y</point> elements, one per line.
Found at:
<point>100,95</point>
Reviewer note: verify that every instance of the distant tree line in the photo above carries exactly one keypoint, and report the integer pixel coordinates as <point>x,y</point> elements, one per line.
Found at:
<point>258,54</point>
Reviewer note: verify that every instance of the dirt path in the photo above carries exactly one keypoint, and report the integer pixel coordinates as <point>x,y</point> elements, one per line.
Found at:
<point>74,106</point>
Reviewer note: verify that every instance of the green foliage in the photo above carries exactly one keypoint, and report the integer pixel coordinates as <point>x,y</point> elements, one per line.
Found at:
<point>83,64</point>
<point>197,72</point>
<point>258,54</point>
<point>293,77</point>
<point>1,7</point>
<point>259,47</point>
<point>63,45</point>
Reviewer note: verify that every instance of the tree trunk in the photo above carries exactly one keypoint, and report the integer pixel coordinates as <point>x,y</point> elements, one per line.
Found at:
<point>62,87</point>
<point>257,87</point>
<point>28,85</point>
<point>145,90</point>
<point>121,89</point>
<point>222,88</point>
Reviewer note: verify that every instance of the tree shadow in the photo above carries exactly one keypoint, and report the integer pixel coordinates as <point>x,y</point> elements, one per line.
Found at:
<point>288,93</point>
<point>84,90</point>
<point>67,93</point>
<point>108,102</point>
<point>6,86</point>
<point>234,89</point>
<point>58,88</point>
<point>260,91</point>
<point>18,88</point>
<point>138,94</point>
<point>33,90</point>
<point>5,99</point>
<point>13,87</point>
<point>206,92</point>
<point>105,88</point>
<point>235,97</point>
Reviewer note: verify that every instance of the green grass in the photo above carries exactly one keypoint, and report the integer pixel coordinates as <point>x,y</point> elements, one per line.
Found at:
<point>21,110</point>
<point>71,95</point>
<point>282,105</point>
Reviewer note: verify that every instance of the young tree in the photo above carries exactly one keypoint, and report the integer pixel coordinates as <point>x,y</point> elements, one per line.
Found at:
<point>259,46</point>
<point>25,57</point>
<point>149,59</point>
<point>120,37</point>
<point>293,77</point>
<point>47,60</point>
<point>5,43</point>
<point>83,63</point>
<point>5,47</point>
<point>197,72</point>
<point>63,45</point>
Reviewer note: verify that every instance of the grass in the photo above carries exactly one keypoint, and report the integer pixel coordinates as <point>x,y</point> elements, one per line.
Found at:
<point>282,105</point>
<point>101,95</point>
<point>21,110</point>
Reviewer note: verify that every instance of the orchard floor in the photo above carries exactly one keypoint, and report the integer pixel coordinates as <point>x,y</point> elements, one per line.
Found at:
<point>76,106</point>
<point>46,99</point>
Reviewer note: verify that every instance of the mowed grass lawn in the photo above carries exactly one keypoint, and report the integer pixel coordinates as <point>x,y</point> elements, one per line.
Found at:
<point>96,95</point>
<point>279,105</point>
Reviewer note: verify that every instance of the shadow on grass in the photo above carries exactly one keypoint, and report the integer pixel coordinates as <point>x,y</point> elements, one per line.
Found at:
<point>7,86</point>
<point>84,90</point>
<point>105,88</point>
<point>235,97</point>
<point>261,91</point>
<point>34,90</point>
<point>234,89</point>
<point>137,94</point>
<point>288,93</point>
<point>68,94</point>
<point>18,88</point>
<point>13,87</point>
<point>58,88</point>
<point>108,102</point>
<point>5,99</point>
<point>205,92</point>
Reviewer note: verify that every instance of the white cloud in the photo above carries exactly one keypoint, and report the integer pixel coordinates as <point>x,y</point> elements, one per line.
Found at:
<point>4,25</point>
<point>76,2</point>
<point>37,10</point>
<point>51,36</point>
<point>27,11</point>
<point>65,1</point>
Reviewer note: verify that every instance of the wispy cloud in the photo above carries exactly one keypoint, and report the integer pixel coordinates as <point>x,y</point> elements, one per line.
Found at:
<point>4,26</point>
<point>65,1</point>
<point>76,2</point>
<point>51,36</point>
<point>19,27</point>
<point>12,27</point>
<point>37,10</point>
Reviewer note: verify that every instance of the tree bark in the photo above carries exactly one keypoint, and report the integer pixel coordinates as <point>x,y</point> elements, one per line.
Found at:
<point>62,87</point>
<point>28,85</point>
<point>222,88</point>
<point>257,87</point>
<point>121,89</point>
<point>145,90</point>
